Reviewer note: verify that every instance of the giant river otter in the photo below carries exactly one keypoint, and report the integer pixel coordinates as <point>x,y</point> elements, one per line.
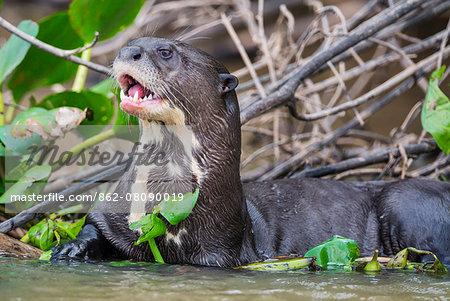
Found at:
<point>169,84</point>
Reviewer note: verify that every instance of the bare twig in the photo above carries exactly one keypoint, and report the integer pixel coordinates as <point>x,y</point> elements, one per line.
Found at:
<point>292,162</point>
<point>365,30</point>
<point>378,157</point>
<point>443,43</point>
<point>243,53</point>
<point>65,54</point>
<point>85,47</point>
<point>368,66</point>
<point>430,168</point>
<point>358,173</point>
<point>392,82</point>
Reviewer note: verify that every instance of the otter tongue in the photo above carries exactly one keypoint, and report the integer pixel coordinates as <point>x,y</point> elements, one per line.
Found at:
<point>136,88</point>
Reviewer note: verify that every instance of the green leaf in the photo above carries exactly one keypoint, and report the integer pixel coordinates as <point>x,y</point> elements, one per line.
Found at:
<point>436,112</point>
<point>399,261</point>
<point>14,51</point>
<point>105,17</point>
<point>151,227</point>
<point>145,221</point>
<point>336,251</point>
<point>48,232</point>
<point>125,263</point>
<point>174,210</point>
<point>122,117</point>
<point>19,145</point>
<point>41,234</point>
<point>437,266</point>
<point>279,264</point>
<point>33,175</point>
<point>46,256</point>
<point>46,239</point>
<point>40,68</point>
<point>50,124</point>
<point>34,233</point>
<point>105,87</point>
<point>29,126</point>
<point>69,230</point>
<point>373,265</point>
<point>101,106</point>
<point>70,210</point>
<point>36,116</point>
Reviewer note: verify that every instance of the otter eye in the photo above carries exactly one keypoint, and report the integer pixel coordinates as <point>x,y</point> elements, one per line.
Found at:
<point>165,53</point>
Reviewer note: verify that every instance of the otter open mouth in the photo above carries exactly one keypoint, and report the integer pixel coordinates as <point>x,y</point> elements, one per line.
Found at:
<point>135,92</point>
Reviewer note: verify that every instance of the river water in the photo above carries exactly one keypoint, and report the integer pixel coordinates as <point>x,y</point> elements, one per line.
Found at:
<point>30,280</point>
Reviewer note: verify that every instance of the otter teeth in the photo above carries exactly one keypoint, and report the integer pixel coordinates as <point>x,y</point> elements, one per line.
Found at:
<point>136,98</point>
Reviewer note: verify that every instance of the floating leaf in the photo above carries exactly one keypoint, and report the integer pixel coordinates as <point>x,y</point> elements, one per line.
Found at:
<point>105,17</point>
<point>46,256</point>
<point>279,264</point>
<point>14,51</point>
<point>174,211</point>
<point>399,261</point>
<point>125,263</point>
<point>336,251</point>
<point>40,68</point>
<point>436,112</point>
<point>373,265</point>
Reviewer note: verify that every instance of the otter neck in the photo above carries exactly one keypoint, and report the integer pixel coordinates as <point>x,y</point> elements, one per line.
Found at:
<point>214,165</point>
<point>217,151</point>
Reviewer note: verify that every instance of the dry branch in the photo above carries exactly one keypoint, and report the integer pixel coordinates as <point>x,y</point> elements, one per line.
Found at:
<point>65,54</point>
<point>371,159</point>
<point>365,30</point>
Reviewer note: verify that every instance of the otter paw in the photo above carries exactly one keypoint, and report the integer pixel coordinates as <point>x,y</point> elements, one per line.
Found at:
<point>74,249</point>
<point>77,249</point>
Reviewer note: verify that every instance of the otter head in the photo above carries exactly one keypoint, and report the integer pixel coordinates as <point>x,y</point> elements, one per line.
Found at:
<point>172,82</point>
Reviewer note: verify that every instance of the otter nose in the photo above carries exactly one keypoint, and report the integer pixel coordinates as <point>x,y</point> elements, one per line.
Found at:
<point>132,53</point>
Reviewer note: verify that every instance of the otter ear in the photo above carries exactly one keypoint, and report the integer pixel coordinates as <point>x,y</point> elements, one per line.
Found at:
<point>229,82</point>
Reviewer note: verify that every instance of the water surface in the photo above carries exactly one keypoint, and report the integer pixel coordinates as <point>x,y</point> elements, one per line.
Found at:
<point>25,280</point>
